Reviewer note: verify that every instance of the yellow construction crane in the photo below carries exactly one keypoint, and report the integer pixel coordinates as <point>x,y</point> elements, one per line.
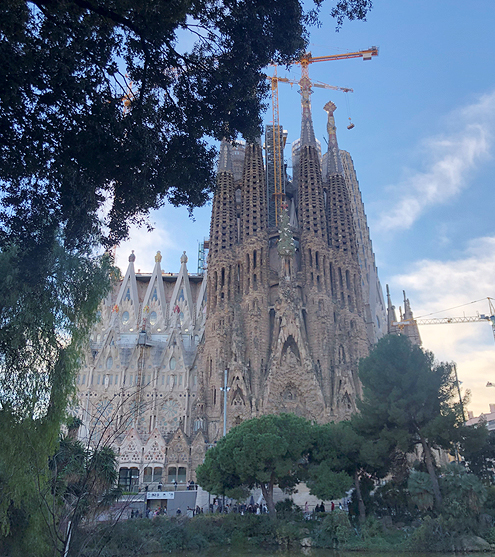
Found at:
<point>450,320</point>
<point>305,84</point>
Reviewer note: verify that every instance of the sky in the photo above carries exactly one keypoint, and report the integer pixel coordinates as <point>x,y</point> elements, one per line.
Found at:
<point>423,148</point>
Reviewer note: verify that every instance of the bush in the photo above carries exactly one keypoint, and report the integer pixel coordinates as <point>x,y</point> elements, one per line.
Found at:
<point>288,510</point>
<point>464,494</point>
<point>334,531</point>
<point>489,506</point>
<point>287,534</point>
<point>436,534</point>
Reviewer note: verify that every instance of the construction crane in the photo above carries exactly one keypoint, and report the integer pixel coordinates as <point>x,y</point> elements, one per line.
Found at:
<point>451,320</point>
<point>305,84</point>
<point>313,84</point>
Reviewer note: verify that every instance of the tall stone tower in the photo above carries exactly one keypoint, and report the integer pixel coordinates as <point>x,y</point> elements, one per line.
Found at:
<point>286,308</point>
<point>286,315</point>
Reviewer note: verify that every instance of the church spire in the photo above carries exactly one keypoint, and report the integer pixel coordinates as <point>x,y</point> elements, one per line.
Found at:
<point>253,210</point>
<point>223,234</point>
<point>334,163</point>
<point>391,315</point>
<point>307,131</point>
<point>225,159</point>
<point>412,330</point>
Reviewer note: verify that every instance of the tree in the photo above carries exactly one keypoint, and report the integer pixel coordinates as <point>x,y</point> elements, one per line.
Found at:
<point>187,70</point>
<point>340,458</point>
<point>82,484</point>
<point>408,400</point>
<point>477,447</point>
<point>265,452</point>
<point>45,318</point>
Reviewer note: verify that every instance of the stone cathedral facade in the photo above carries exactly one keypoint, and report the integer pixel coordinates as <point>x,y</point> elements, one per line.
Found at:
<point>287,308</point>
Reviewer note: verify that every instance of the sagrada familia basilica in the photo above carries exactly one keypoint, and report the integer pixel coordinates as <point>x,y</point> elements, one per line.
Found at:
<point>278,322</point>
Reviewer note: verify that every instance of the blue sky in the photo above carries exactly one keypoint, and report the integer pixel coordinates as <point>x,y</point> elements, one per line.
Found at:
<point>423,147</point>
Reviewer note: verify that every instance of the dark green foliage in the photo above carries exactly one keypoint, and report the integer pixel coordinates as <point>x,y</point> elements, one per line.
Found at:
<point>48,302</point>
<point>341,458</point>
<point>335,530</point>
<point>464,494</point>
<point>408,400</point>
<point>392,500</point>
<point>328,484</point>
<point>352,9</point>
<point>413,396</point>
<point>434,534</point>
<point>477,447</point>
<point>265,451</point>
<point>489,536</point>
<point>195,68</point>
<point>288,510</point>
<point>489,506</point>
<point>165,535</point>
<point>421,490</point>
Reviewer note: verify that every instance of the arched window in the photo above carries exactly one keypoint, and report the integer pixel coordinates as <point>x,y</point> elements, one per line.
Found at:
<point>148,475</point>
<point>172,363</point>
<point>157,474</point>
<point>109,362</point>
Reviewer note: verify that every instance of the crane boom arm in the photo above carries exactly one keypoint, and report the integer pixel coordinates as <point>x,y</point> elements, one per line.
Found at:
<point>364,54</point>
<point>442,320</point>
<point>313,83</point>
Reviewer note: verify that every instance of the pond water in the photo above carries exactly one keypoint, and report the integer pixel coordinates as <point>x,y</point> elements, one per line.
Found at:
<point>256,552</point>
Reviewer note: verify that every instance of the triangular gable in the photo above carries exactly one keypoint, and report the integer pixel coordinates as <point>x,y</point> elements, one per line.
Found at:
<point>154,303</point>
<point>154,450</point>
<point>130,450</point>
<point>127,299</point>
<point>198,445</point>
<point>181,303</point>
<point>179,438</point>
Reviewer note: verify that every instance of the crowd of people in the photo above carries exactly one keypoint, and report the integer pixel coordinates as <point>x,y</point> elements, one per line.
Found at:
<point>220,506</point>
<point>256,508</point>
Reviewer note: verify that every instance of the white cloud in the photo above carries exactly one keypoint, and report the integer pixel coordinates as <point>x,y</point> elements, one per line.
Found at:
<point>145,244</point>
<point>449,160</point>
<point>173,233</point>
<point>433,286</point>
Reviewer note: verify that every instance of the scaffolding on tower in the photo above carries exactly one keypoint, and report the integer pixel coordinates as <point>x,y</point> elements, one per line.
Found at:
<point>202,255</point>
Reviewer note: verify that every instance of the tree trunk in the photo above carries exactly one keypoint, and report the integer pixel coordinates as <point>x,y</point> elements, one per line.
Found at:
<point>431,471</point>
<point>267,490</point>
<point>361,507</point>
